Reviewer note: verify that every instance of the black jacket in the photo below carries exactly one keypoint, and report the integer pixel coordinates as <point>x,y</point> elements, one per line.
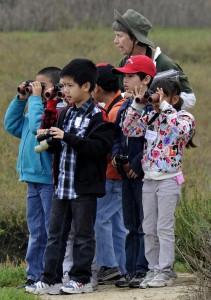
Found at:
<point>92,150</point>
<point>132,147</point>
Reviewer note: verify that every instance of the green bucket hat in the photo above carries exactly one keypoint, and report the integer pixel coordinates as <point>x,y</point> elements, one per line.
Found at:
<point>136,24</point>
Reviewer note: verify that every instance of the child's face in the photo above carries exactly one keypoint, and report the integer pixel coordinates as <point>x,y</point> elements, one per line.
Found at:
<point>47,83</point>
<point>131,81</point>
<point>74,93</point>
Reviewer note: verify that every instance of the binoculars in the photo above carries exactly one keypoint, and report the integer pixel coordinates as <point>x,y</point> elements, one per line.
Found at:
<point>43,139</point>
<point>149,97</point>
<point>56,91</point>
<point>26,87</point>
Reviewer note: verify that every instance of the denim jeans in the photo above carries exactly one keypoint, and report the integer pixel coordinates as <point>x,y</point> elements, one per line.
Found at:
<point>133,218</point>
<point>38,207</point>
<point>109,228</point>
<point>82,212</point>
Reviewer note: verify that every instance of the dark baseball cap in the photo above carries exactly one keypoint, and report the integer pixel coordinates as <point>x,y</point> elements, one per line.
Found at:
<point>106,78</point>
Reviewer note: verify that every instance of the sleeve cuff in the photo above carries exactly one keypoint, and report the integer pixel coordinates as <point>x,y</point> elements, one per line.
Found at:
<point>165,105</point>
<point>137,106</point>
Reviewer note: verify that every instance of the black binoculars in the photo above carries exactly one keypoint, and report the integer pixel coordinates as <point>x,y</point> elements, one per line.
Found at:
<point>56,91</point>
<point>26,87</point>
<point>149,97</point>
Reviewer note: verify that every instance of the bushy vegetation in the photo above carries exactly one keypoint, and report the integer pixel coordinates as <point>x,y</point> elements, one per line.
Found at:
<point>24,53</point>
<point>11,278</point>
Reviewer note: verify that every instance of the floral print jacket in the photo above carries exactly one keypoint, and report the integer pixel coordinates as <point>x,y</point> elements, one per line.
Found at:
<point>166,134</point>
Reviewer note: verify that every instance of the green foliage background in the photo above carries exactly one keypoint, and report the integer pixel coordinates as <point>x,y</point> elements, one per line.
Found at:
<point>24,53</point>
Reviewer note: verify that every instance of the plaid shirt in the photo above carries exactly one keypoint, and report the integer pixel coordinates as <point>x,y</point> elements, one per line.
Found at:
<point>76,122</point>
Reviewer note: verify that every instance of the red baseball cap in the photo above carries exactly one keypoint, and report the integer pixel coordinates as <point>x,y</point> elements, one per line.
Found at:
<point>136,64</point>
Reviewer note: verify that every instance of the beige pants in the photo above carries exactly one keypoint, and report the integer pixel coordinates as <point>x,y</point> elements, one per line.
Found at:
<point>160,198</point>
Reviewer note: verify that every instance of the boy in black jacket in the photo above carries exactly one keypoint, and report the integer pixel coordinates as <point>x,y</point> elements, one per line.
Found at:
<point>81,142</point>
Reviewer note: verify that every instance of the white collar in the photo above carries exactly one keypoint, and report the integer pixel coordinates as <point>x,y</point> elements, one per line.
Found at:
<point>157,53</point>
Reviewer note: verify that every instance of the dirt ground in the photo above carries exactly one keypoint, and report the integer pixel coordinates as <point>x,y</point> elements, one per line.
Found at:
<point>182,289</point>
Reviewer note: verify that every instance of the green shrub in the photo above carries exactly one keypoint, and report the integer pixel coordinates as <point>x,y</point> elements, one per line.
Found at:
<point>193,235</point>
<point>11,277</point>
<point>13,236</point>
<point>15,294</point>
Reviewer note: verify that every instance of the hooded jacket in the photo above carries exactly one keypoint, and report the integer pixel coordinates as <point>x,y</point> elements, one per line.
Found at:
<point>31,166</point>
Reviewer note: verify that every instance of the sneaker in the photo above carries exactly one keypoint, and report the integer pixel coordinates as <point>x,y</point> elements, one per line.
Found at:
<point>136,280</point>
<point>149,276</point>
<point>39,287</point>
<point>73,287</point>
<point>123,281</point>
<point>66,277</point>
<point>27,283</point>
<point>107,274</point>
<point>55,289</point>
<point>94,283</point>
<point>173,274</point>
<point>161,279</point>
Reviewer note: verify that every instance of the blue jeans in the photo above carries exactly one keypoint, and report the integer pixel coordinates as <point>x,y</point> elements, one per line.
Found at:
<point>133,219</point>
<point>38,207</point>
<point>82,212</point>
<point>109,227</point>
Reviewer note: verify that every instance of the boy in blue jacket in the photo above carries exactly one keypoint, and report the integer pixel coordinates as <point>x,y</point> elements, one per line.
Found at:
<point>33,168</point>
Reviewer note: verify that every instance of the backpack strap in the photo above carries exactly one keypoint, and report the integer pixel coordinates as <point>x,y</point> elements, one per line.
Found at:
<point>153,119</point>
<point>113,103</point>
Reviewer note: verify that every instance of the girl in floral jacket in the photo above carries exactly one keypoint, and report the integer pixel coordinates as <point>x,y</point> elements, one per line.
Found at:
<point>167,130</point>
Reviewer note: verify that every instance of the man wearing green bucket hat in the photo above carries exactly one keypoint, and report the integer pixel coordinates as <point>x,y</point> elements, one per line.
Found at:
<point>131,37</point>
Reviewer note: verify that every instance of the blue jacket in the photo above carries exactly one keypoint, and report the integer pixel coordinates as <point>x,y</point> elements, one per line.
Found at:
<point>31,166</point>
<point>129,146</point>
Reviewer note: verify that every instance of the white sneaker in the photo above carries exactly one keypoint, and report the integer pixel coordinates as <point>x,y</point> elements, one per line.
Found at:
<point>55,289</point>
<point>160,280</point>
<point>73,287</point>
<point>150,275</point>
<point>39,287</point>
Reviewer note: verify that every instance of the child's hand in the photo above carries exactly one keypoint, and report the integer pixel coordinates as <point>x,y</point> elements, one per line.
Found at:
<point>156,106</point>
<point>57,133</point>
<point>36,88</point>
<point>139,95</point>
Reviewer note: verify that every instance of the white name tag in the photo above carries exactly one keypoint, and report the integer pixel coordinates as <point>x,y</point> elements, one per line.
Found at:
<point>78,122</point>
<point>84,124</point>
<point>151,135</point>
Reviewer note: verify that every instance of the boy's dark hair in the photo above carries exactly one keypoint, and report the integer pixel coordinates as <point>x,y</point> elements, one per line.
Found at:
<point>53,73</point>
<point>81,70</point>
<point>142,75</point>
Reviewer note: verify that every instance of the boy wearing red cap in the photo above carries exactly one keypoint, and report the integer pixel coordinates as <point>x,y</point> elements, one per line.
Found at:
<point>138,74</point>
